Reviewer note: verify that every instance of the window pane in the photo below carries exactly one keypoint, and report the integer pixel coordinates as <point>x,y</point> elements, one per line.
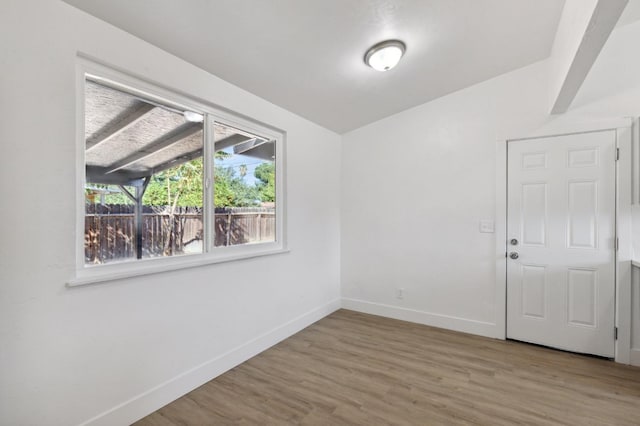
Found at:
<point>144,178</point>
<point>244,187</point>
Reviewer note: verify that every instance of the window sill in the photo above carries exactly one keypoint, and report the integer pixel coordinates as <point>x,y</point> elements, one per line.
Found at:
<point>119,271</point>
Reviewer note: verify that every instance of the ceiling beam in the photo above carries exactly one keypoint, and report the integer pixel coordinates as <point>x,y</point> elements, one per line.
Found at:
<point>177,161</point>
<point>97,174</point>
<point>256,148</point>
<point>265,151</point>
<point>230,141</point>
<point>122,122</point>
<point>584,28</point>
<point>247,145</point>
<point>220,145</point>
<point>163,142</point>
<point>109,176</point>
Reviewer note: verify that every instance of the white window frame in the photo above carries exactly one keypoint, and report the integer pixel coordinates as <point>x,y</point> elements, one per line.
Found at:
<point>90,274</point>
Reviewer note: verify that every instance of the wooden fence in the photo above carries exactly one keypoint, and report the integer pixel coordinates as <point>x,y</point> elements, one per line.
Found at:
<point>110,233</point>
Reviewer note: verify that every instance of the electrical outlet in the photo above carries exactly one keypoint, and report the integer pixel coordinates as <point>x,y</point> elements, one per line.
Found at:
<point>399,293</point>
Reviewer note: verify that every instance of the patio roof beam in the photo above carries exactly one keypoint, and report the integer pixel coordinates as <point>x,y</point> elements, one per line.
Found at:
<point>176,161</point>
<point>263,151</point>
<point>230,141</point>
<point>163,142</point>
<point>107,175</point>
<point>220,145</point>
<point>122,122</point>
<point>137,200</point>
<point>97,174</point>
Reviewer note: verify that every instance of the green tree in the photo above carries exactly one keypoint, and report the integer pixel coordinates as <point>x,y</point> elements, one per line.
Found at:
<point>182,186</point>
<point>231,189</point>
<point>178,186</point>
<point>266,185</point>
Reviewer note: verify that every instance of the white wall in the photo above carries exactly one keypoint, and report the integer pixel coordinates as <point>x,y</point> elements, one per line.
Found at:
<point>415,186</point>
<point>67,355</point>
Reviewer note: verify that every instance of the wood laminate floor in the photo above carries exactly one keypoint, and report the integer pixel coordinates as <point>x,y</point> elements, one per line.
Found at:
<point>356,369</point>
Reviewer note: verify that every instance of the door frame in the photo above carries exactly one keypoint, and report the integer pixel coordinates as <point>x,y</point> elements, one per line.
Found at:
<point>624,253</point>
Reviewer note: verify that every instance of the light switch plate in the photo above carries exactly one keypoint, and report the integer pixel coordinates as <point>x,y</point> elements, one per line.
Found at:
<point>487,226</point>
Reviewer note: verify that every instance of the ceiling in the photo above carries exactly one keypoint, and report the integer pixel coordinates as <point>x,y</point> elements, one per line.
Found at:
<point>631,13</point>
<point>307,56</point>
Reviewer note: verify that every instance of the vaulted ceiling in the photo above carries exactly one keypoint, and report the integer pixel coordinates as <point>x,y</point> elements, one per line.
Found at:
<point>307,56</point>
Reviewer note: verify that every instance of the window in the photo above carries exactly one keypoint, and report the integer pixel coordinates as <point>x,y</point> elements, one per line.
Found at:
<point>244,193</point>
<point>144,178</point>
<point>166,177</point>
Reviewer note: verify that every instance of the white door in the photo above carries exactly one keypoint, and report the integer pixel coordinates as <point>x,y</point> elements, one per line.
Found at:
<point>561,241</point>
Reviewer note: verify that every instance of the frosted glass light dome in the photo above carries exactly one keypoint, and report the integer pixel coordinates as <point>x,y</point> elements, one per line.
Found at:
<point>385,55</point>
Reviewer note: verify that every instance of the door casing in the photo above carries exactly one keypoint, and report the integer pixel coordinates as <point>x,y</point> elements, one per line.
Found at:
<point>623,231</point>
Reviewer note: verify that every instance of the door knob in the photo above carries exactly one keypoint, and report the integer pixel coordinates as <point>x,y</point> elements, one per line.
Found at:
<point>514,255</point>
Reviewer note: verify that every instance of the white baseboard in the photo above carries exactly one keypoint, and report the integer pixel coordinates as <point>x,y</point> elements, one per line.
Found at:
<point>464,325</point>
<point>634,357</point>
<point>157,397</point>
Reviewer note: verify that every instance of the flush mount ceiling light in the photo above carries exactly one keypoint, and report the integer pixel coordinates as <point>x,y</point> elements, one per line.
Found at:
<point>385,55</point>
